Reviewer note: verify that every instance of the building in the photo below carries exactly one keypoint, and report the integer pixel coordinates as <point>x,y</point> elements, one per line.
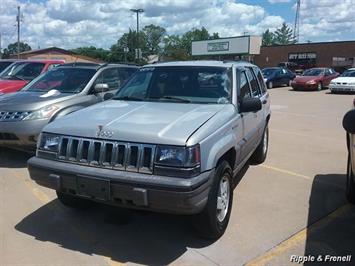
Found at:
<point>55,53</point>
<point>339,55</point>
<point>234,48</point>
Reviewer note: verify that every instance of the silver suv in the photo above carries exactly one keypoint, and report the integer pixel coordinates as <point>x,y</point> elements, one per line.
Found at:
<point>171,140</point>
<point>349,126</point>
<point>58,92</point>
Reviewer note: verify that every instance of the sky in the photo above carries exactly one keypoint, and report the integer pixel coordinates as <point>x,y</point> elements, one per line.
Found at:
<point>100,23</point>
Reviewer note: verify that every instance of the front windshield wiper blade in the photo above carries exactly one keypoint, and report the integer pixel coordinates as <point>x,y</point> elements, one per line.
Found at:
<point>127,98</point>
<point>176,98</point>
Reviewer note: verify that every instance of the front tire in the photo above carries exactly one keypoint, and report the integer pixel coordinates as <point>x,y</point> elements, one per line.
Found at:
<point>212,222</point>
<point>72,201</point>
<point>350,183</point>
<point>270,85</point>
<point>319,86</point>
<point>259,155</point>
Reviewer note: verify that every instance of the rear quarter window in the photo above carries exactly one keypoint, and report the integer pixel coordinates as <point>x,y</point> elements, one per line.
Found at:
<point>260,80</point>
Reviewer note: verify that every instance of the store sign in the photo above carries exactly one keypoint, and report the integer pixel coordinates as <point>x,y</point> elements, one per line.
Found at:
<point>302,56</point>
<point>217,46</point>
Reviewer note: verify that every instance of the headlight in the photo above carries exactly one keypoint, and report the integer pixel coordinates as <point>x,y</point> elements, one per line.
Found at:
<point>48,142</point>
<point>43,113</point>
<point>311,82</point>
<point>178,161</point>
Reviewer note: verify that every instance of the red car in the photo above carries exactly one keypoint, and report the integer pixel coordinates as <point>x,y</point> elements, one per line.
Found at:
<point>19,73</point>
<point>314,79</point>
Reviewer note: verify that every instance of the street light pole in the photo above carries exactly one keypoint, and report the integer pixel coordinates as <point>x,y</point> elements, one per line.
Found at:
<point>137,11</point>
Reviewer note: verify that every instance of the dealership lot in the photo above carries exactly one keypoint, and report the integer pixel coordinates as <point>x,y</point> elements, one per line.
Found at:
<point>300,186</point>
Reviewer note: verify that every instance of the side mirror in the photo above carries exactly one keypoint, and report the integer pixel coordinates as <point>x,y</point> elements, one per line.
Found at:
<point>349,122</point>
<point>101,87</point>
<point>250,105</point>
<point>108,96</point>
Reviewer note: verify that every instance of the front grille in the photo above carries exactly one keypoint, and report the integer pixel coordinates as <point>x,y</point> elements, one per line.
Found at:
<point>12,116</point>
<point>8,136</point>
<point>107,154</point>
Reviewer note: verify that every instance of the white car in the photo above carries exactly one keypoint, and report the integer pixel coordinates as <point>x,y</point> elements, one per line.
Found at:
<point>344,83</point>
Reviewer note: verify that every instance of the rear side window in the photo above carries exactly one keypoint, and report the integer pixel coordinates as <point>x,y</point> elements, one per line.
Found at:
<point>255,90</point>
<point>261,80</point>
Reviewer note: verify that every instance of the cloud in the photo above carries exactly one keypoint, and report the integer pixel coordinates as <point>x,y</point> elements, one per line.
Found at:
<point>73,23</point>
<point>278,1</point>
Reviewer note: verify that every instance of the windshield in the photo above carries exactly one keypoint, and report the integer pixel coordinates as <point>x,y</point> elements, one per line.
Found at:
<point>267,72</point>
<point>22,71</point>
<point>64,80</point>
<point>4,65</point>
<point>180,84</point>
<point>314,72</point>
<point>348,73</point>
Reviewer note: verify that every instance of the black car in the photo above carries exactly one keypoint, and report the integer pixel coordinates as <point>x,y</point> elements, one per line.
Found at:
<point>277,76</point>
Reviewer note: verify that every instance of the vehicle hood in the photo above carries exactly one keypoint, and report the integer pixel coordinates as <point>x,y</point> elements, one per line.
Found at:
<point>304,79</point>
<point>30,101</point>
<point>344,80</point>
<point>143,122</point>
<point>7,86</point>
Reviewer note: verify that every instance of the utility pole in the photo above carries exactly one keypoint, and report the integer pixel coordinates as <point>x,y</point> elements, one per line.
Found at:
<point>296,28</point>
<point>137,11</point>
<point>18,19</point>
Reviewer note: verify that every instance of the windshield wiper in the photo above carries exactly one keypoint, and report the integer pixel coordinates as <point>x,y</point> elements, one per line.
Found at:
<point>176,98</point>
<point>127,98</point>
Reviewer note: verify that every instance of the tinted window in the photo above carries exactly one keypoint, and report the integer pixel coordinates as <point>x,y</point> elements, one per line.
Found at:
<point>261,80</point>
<point>110,77</point>
<point>267,72</point>
<point>23,71</point>
<point>348,73</point>
<point>255,90</point>
<point>125,73</point>
<point>244,87</point>
<point>64,80</point>
<point>4,65</point>
<point>313,72</point>
<point>194,84</point>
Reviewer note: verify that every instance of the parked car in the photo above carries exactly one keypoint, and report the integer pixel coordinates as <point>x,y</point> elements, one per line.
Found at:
<point>349,126</point>
<point>169,141</point>
<point>344,83</point>
<point>58,92</point>
<point>18,74</point>
<point>277,76</point>
<point>4,63</point>
<point>314,79</point>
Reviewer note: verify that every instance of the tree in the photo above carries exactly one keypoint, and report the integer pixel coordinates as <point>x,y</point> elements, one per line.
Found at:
<point>128,41</point>
<point>268,38</point>
<point>93,52</point>
<point>283,35</point>
<point>154,38</point>
<point>12,49</point>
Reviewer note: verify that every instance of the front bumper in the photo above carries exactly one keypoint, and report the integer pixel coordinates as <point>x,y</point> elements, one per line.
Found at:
<point>338,88</point>
<point>21,133</point>
<point>125,189</point>
<point>298,86</point>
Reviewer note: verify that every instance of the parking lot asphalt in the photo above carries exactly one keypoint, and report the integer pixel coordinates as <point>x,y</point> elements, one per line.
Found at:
<point>293,204</point>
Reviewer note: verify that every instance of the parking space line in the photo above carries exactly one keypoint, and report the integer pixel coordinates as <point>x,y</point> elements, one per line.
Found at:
<point>285,171</point>
<point>44,199</point>
<point>298,237</point>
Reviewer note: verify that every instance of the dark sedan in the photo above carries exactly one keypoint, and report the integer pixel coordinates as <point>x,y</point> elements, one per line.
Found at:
<point>314,79</point>
<point>277,76</point>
